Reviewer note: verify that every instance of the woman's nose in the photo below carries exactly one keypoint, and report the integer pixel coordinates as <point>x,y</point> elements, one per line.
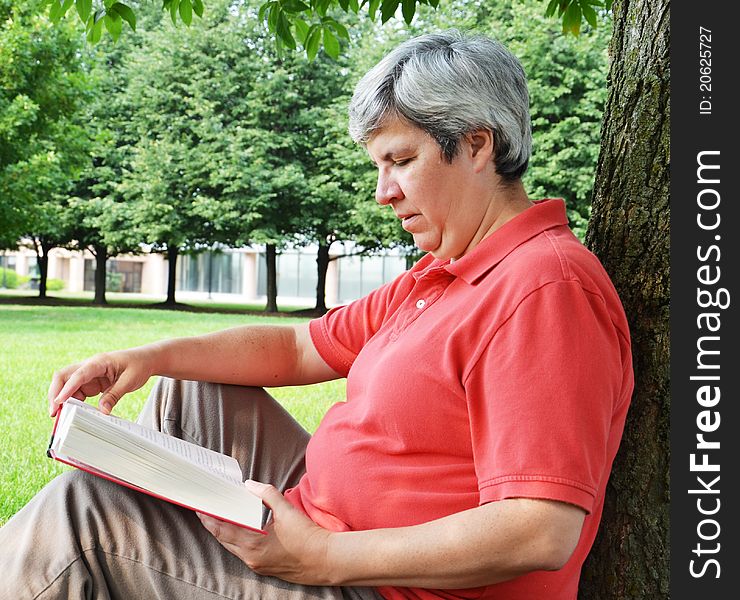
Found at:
<point>387,190</point>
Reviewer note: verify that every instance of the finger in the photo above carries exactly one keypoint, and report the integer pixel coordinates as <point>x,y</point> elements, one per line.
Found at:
<point>269,494</point>
<point>57,383</point>
<point>114,393</point>
<point>226,533</point>
<point>81,376</point>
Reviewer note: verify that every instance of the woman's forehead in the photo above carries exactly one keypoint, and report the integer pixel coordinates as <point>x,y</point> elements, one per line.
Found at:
<point>396,136</point>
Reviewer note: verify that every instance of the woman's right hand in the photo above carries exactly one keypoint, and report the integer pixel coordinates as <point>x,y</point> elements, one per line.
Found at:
<point>112,373</point>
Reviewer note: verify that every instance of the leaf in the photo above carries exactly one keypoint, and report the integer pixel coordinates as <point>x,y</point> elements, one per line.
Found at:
<point>322,6</point>
<point>373,8</point>
<point>114,24</point>
<point>312,47</point>
<point>301,30</point>
<point>126,14</point>
<point>338,27</point>
<point>174,5</point>
<point>408,7</point>
<point>388,9</point>
<point>186,12</point>
<point>331,44</point>
<point>66,6</point>
<point>283,31</point>
<point>434,3</point>
<point>84,8</point>
<point>354,6</point>
<point>55,13</point>
<point>344,4</point>
<point>551,7</point>
<point>95,28</point>
<point>589,13</point>
<point>263,10</point>
<point>272,18</point>
<point>572,19</point>
<point>294,6</point>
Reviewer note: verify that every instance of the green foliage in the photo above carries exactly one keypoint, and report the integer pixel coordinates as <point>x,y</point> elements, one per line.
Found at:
<point>309,23</point>
<point>574,12</point>
<point>11,280</point>
<point>54,285</point>
<point>99,14</point>
<point>42,88</point>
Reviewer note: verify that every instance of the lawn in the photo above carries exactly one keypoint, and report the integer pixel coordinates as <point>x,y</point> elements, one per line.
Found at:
<point>37,340</point>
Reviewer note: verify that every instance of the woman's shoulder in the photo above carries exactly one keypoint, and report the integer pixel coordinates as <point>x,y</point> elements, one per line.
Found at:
<point>555,255</point>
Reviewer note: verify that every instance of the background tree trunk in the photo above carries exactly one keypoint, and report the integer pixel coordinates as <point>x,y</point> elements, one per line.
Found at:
<point>272,291</point>
<point>101,261</point>
<point>172,254</point>
<point>629,231</point>
<point>322,266</point>
<point>42,260</point>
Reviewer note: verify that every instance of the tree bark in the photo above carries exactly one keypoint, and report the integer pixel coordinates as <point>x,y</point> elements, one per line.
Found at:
<point>271,258</point>
<point>629,232</point>
<point>322,266</point>
<point>172,254</point>
<point>101,260</point>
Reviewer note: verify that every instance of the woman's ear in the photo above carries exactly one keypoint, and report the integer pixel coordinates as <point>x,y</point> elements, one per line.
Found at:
<point>481,147</point>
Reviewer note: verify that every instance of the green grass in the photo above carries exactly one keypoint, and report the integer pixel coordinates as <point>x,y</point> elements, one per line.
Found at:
<point>37,340</point>
<point>137,300</point>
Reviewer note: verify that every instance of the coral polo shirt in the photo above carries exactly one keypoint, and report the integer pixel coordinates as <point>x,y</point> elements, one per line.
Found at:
<point>504,374</point>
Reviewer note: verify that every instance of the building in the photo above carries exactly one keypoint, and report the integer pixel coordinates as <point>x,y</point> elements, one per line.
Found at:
<point>227,275</point>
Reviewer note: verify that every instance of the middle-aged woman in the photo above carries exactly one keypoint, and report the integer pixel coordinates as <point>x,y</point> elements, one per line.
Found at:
<point>486,392</point>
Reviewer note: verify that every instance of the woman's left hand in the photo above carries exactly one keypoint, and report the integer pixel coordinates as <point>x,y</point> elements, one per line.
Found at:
<point>295,548</point>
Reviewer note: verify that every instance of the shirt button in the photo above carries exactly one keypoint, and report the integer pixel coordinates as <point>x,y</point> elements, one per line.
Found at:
<point>420,303</point>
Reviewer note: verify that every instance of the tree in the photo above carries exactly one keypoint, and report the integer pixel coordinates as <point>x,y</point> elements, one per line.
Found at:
<point>181,119</point>
<point>629,231</point>
<point>96,201</point>
<point>41,88</point>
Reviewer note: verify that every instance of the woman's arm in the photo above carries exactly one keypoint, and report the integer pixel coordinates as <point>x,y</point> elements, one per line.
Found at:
<point>252,355</point>
<point>481,546</point>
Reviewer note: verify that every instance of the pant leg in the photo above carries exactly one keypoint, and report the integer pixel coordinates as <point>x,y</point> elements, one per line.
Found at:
<point>84,537</point>
<point>245,423</point>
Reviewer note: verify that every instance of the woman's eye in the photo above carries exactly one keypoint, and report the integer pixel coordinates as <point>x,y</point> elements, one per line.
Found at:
<point>400,163</point>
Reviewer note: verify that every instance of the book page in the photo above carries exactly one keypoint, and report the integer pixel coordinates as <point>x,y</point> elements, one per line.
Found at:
<point>214,462</point>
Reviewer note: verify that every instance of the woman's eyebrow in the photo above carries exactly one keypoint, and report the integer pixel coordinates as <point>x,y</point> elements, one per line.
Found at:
<point>395,153</point>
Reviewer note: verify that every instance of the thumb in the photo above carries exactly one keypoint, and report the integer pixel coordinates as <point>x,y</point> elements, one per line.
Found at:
<point>269,494</point>
<point>112,395</point>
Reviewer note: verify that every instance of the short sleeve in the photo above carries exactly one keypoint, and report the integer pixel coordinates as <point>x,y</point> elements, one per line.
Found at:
<point>542,396</point>
<point>342,332</point>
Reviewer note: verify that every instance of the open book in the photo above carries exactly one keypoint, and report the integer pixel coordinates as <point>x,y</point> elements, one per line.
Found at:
<point>154,463</point>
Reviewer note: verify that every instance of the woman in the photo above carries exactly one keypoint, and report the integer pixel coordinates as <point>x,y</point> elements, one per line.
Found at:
<point>486,391</point>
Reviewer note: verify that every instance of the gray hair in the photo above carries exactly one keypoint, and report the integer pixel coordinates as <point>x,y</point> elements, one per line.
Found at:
<point>449,84</point>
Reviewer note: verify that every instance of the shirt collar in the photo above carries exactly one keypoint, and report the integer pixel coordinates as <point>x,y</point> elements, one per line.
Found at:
<point>545,214</point>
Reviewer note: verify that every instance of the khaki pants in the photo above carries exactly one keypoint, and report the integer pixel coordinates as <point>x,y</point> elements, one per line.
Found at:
<point>84,537</point>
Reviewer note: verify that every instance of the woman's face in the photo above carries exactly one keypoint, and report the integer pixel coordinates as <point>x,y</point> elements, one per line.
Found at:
<point>436,200</point>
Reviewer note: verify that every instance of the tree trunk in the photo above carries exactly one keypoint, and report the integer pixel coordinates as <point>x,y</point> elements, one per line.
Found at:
<point>322,265</point>
<point>172,253</point>
<point>271,258</point>
<point>629,232</point>
<point>42,259</point>
<point>101,260</point>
